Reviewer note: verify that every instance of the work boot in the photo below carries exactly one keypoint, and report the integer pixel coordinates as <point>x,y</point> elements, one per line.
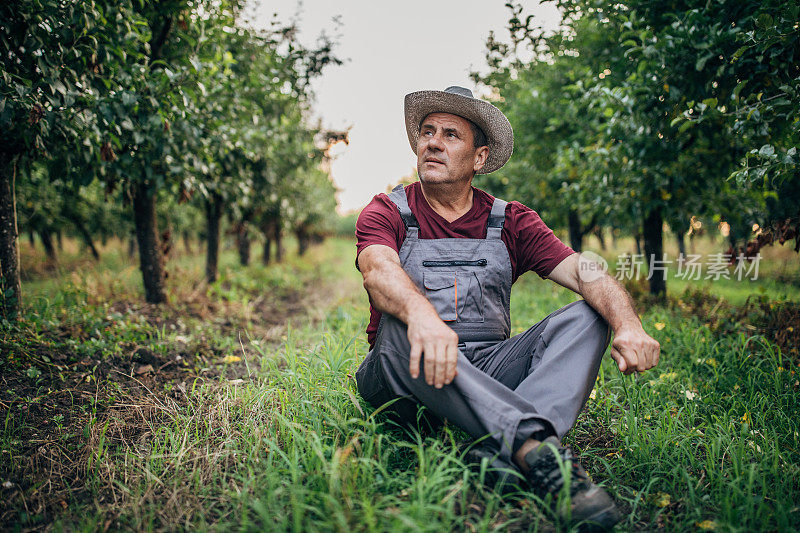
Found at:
<point>501,476</point>
<point>588,503</point>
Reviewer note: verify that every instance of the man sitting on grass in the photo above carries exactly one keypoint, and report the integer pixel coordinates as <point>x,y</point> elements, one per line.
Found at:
<point>438,259</point>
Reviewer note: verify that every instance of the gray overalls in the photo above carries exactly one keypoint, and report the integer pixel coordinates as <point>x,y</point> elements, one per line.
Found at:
<point>508,388</point>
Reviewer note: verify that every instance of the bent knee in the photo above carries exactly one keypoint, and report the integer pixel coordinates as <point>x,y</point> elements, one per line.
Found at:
<point>591,321</point>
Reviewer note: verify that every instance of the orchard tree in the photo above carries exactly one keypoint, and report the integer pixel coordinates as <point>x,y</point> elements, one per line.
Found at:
<point>239,108</point>
<point>149,120</point>
<point>648,67</point>
<point>39,209</point>
<point>755,93</point>
<point>145,100</point>
<point>51,206</point>
<point>55,58</point>
<point>254,107</point>
<point>555,126</point>
<point>717,63</point>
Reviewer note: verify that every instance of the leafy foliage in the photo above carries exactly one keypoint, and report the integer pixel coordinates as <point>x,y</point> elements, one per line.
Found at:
<point>158,101</point>
<point>644,112</point>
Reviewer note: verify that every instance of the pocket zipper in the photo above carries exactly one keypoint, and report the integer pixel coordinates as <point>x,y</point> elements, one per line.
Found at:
<point>455,262</point>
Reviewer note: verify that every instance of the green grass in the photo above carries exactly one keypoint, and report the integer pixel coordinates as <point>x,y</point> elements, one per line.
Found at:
<point>708,435</point>
<point>708,439</point>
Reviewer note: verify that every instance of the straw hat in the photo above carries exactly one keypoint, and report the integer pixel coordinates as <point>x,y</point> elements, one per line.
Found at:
<point>459,101</point>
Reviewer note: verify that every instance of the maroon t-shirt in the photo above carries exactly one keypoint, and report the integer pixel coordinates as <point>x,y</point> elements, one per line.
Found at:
<point>531,244</point>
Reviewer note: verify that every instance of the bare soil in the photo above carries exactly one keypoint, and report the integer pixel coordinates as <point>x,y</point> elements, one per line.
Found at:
<point>55,404</point>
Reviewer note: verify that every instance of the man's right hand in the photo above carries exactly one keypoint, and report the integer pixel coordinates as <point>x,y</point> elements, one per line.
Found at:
<point>393,292</point>
<point>429,335</point>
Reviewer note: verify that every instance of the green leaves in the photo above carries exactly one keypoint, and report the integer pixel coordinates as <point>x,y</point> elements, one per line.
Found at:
<point>710,102</point>
<point>736,90</point>
<point>700,64</point>
<point>633,103</point>
<point>54,52</point>
<point>766,151</point>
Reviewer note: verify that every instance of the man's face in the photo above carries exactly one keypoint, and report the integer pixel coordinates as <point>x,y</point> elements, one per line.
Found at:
<point>445,151</point>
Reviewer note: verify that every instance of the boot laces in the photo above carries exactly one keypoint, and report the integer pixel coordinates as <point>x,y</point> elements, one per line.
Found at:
<point>546,476</point>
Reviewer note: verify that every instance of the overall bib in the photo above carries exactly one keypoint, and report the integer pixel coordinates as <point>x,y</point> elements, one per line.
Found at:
<point>468,281</point>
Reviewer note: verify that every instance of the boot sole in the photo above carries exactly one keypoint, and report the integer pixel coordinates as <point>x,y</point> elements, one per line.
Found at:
<point>602,520</point>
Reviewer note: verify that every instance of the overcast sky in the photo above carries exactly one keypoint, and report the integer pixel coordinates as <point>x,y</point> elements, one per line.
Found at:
<point>391,49</point>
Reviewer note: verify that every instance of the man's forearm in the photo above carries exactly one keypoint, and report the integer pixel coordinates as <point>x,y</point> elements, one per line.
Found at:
<point>393,292</point>
<point>612,301</point>
<point>632,348</point>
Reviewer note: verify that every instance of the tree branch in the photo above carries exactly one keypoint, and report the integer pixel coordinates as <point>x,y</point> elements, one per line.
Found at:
<point>157,42</point>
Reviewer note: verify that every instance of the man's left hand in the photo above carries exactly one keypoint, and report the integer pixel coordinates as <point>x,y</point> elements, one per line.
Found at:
<point>634,350</point>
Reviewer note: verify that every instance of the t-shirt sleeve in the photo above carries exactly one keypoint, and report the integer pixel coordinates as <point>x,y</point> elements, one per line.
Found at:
<point>536,246</point>
<point>379,223</point>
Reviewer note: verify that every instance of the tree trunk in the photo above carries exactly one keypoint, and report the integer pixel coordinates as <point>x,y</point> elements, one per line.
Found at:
<point>598,232</point>
<point>267,246</point>
<point>277,236</point>
<point>638,239</point>
<point>243,244</point>
<point>302,240</point>
<point>575,230</point>
<point>243,239</point>
<point>654,248</point>
<point>10,295</point>
<point>47,241</point>
<point>150,254</point>
<point>32,238</point>
<point>681,238</point>
<point>60,240</point>
<point>86,236</point>
<point>89,242</point>
<point>132,246</point>
<point>187,242</point>
<point>213,217</point>
<point>166,242</point>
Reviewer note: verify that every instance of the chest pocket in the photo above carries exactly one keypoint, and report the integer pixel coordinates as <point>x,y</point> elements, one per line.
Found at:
<point>456,296</point>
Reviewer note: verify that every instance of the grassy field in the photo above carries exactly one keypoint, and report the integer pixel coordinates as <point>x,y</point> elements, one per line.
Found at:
<point>234,407</point>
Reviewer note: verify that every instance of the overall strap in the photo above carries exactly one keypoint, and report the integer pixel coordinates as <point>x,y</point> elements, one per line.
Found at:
<point>399,198</point>
<point>494,227</point>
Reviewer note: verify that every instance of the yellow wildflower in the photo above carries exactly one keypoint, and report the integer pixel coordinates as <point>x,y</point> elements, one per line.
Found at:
<point>661,499</point>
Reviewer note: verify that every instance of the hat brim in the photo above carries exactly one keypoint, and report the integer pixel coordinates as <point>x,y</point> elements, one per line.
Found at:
<point>491,120</point>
